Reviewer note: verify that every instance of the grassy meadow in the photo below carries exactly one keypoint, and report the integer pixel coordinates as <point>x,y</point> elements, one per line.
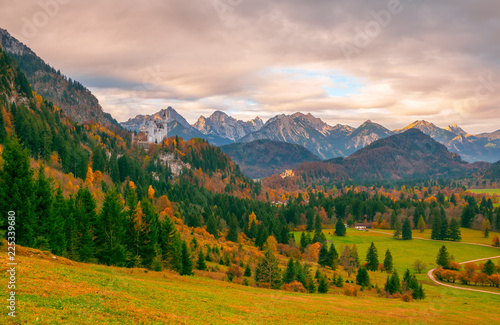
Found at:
<point>59,291</point>
<point>405,252</point>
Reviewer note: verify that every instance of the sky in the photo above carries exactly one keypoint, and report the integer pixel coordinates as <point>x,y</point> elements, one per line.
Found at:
<point>345,61</point>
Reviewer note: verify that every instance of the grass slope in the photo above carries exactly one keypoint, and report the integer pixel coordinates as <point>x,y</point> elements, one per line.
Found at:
<point>58,291</point>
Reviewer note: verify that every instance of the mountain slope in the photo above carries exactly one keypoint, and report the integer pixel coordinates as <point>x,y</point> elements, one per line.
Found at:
<point>455,129</point>
<point>224,126</point>
<point>69,95</point>
<point>364,135</point>
<point>305,130</point>
<point>438,134</point>
<point>262,158</point>
<point>408,155</point>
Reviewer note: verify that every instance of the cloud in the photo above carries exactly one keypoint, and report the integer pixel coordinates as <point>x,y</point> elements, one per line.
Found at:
<point>427,59</point>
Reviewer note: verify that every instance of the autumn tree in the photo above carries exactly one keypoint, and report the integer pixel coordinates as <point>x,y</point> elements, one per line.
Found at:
<point>486,227</point>
<point>496,241</point>
<point>419,266</point>
<point>421,224</point>
<point>397,230</point>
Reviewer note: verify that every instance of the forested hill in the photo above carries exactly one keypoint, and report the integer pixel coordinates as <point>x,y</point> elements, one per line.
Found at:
<point>67,94</point>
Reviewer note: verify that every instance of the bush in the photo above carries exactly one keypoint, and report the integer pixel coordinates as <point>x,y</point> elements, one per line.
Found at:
<point>407,297</point>
<point>294,286</point>
<point>351,291</point>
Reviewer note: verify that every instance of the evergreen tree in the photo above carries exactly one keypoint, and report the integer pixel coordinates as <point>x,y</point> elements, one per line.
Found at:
<point>362,277</point>
<point>443,258</point>
<point>340,228</point>
<point>212,226</point>
<point>388,261</point>
<point>392,285</point>
<point>268,270</point>
<point>489,267</point>
<point>322,285</point>
<point>3,132</point>
<point>436,228</point>
<point>17,190</point>
<point>443,233</point>
<point>110,231</point>
<point>171,245</point>
<point>86,219</point>
<point>407,234</point>
<point>333,257</point>
<point>454,230</point>
<point>43,203</point>
<point>150,247</point>
<point>248,270</point>
<point>200,264</point>
<point>372,258</point>
<point>233,230</point>
<point>323,256</point>
<point>290,272</point>
<point>56,225</point>
<point>187,263</point>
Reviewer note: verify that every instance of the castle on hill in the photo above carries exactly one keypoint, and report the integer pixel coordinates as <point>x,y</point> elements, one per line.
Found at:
<point>157,130</point>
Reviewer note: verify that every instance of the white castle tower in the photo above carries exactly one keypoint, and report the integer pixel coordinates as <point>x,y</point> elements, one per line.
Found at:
<point>158,129</point>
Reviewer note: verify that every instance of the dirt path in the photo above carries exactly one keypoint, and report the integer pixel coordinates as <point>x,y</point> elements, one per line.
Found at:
<point>431,276</point>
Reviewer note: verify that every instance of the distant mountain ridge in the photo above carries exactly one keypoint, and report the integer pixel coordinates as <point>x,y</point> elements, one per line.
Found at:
<point>323,140</point>
<point>69,95</point>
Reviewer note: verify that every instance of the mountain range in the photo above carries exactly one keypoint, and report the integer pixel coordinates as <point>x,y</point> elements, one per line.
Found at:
<point>321,139</point>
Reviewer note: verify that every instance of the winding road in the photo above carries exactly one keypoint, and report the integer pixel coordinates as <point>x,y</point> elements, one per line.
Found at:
<point>430,273</point>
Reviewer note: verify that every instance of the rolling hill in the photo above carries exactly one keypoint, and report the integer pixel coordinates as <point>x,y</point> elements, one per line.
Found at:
<point>262,158</point>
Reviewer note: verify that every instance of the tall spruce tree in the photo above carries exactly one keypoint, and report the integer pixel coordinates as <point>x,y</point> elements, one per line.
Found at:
<point>56,224</point>
<point>455,233</point>
<point>372,258</point>
<point>362,277</point>
<point>443,257</point>
<point>232,235</point>
<point>268,271</point>
<point>388,261</point>
<point>333,257</point>
<point>17,190</point>
<point>187,262</point>
<point>340,228</point>
<point>407,233</point>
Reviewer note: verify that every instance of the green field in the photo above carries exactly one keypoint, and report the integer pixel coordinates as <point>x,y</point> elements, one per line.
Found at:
<point>406,252</point>
<point>468,235</point>
<point>486,190</point>
<point>64,292</point>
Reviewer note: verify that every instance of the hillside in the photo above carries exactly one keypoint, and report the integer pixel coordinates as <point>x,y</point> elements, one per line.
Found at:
<point>69,95</point>
<point>408,155</point>
<point>262,158</point>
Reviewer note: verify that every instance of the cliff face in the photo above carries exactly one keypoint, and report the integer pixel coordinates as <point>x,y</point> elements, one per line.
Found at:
<point>223,125</point>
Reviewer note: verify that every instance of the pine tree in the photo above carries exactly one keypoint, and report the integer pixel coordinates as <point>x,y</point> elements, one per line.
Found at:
<point>43,203</point>
<point>362,277</point>
<point>489,267</point>
<point>233,230</point>
<point>323,256</point>
<point>200,263</point>
<point>268,271</point>
<point>17,190</point>
<point>372,258</point>
<point>290,272</point>
<point>110,231</point>
<point>407,233</point>
<point>443,258</point>
<point>150,232</point>
<point>333,257</point>
<point>56,225</point>
<point>86,216</point>
<point>436,228</point>
<point>212,226</point>
<point>388,261</point>
<point>340,228</point>
<point>392,284</point>
<point>443,233</point>
<point>248,270</point>
<point>187,263</point>
<point>454,230</point>
<point>322,285</point>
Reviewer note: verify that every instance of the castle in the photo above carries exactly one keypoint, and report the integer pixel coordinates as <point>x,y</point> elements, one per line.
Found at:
<point>157,130</point>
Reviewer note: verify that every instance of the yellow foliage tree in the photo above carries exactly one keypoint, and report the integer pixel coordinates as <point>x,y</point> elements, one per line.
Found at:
<point>151,192</point>
<point>90,177</point>
<point>251,217</point>
<point>272,244</point>
<point>97,177</point>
